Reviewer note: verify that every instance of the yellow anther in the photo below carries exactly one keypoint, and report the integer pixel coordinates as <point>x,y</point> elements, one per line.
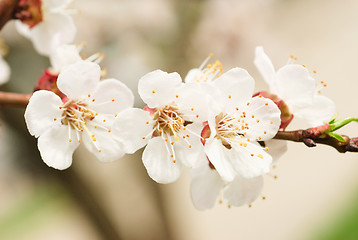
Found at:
<point>189,146</point>
<point>265,132</point>
<point>112,99</point>
<point>70,140</point>
<point>271,122</point>
<point>54,119</point>
<point>266,104</point>
<point>174,161</point>
<point>176,138</point>
<point>93,100</point>
<point>89,95</point>
<point>99,150</point>
<point>229,96</point>
<point>143,137</point>
<point>153,91</point>
<point>266,148</point>
<point>177,96</point>
<point>260,156</point>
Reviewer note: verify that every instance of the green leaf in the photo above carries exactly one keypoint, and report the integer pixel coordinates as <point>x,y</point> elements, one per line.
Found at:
<point>340,123</point>
<point>337,136</point>
<point>333,118</point>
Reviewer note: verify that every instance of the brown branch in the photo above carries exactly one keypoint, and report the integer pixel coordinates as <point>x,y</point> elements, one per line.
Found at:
<point>7,8</point>
<point>14,99</point>
<point>310,137</point>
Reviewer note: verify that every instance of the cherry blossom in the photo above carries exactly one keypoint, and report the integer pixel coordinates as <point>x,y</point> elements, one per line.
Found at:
<point>294,84</point>
<point>170,126</point>
<point>87,115</point>
<point>236,123</point>
<point>53,26</point>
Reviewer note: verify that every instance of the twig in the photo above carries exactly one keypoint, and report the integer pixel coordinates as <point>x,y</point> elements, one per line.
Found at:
<point>7,8</point>
<point>310,137</point>
<point>14,99</point>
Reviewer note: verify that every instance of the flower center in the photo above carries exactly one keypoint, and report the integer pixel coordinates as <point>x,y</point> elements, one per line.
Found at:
<point>227,129</point>
<point>79,117</point>
<point>208,72</point>
<point>169,121</point>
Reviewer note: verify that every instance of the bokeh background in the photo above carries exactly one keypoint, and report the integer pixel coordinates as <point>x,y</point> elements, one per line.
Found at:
<point>315,194</point>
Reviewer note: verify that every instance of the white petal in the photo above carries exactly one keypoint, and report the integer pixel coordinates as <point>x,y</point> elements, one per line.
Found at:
<point>55,149</point>
<point>111,97</point>
<point>193,103</point>
<point>106,147</point>
<point>243,190</point>
<point>131,126</point>
<point>41,112</point>
<point>295,86</point>
<point>320,112</point>
<point>192,75</point>
<point>276,148</point>
<point>237,86</point>
<point>250,161</point>
<point>79,79</point>
<point>4,71</point>
<point>205,187</point>
<point>159,88</point>
<point>263,120</point>
<point>57,29</point>
<point>159,165</point>
<point>193,155</point>
<point>265,66</point>
<point>22,28</point>
<point>63,56</point>
<point>219,156</point>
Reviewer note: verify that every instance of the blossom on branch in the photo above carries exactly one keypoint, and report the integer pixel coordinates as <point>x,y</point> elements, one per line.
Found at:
<point>236,162</point>
<point>87,115</point>
<point>170,125</point>
<point>297,88</point>
<point>47,23</point>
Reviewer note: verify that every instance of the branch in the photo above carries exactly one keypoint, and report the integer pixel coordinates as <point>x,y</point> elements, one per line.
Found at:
<point>7,8</point>
<point>310,137</point>
<point>14,99</point>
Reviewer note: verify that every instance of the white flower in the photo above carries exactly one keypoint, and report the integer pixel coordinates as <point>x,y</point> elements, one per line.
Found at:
<point>235,125</point>
<point>294,84</point>
<point>4,71</point>
<point>55,29</point>
<point>86,117</point>
<point>207,185</point>
<point>171,129</point>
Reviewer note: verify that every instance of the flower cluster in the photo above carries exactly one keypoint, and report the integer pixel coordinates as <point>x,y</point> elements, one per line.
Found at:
<point>212,122</point>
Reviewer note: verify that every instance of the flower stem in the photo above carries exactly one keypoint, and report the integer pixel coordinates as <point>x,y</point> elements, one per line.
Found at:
<point>14,99</point>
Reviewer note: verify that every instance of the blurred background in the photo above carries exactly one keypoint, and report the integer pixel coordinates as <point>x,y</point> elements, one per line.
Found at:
<point>315,193</point>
